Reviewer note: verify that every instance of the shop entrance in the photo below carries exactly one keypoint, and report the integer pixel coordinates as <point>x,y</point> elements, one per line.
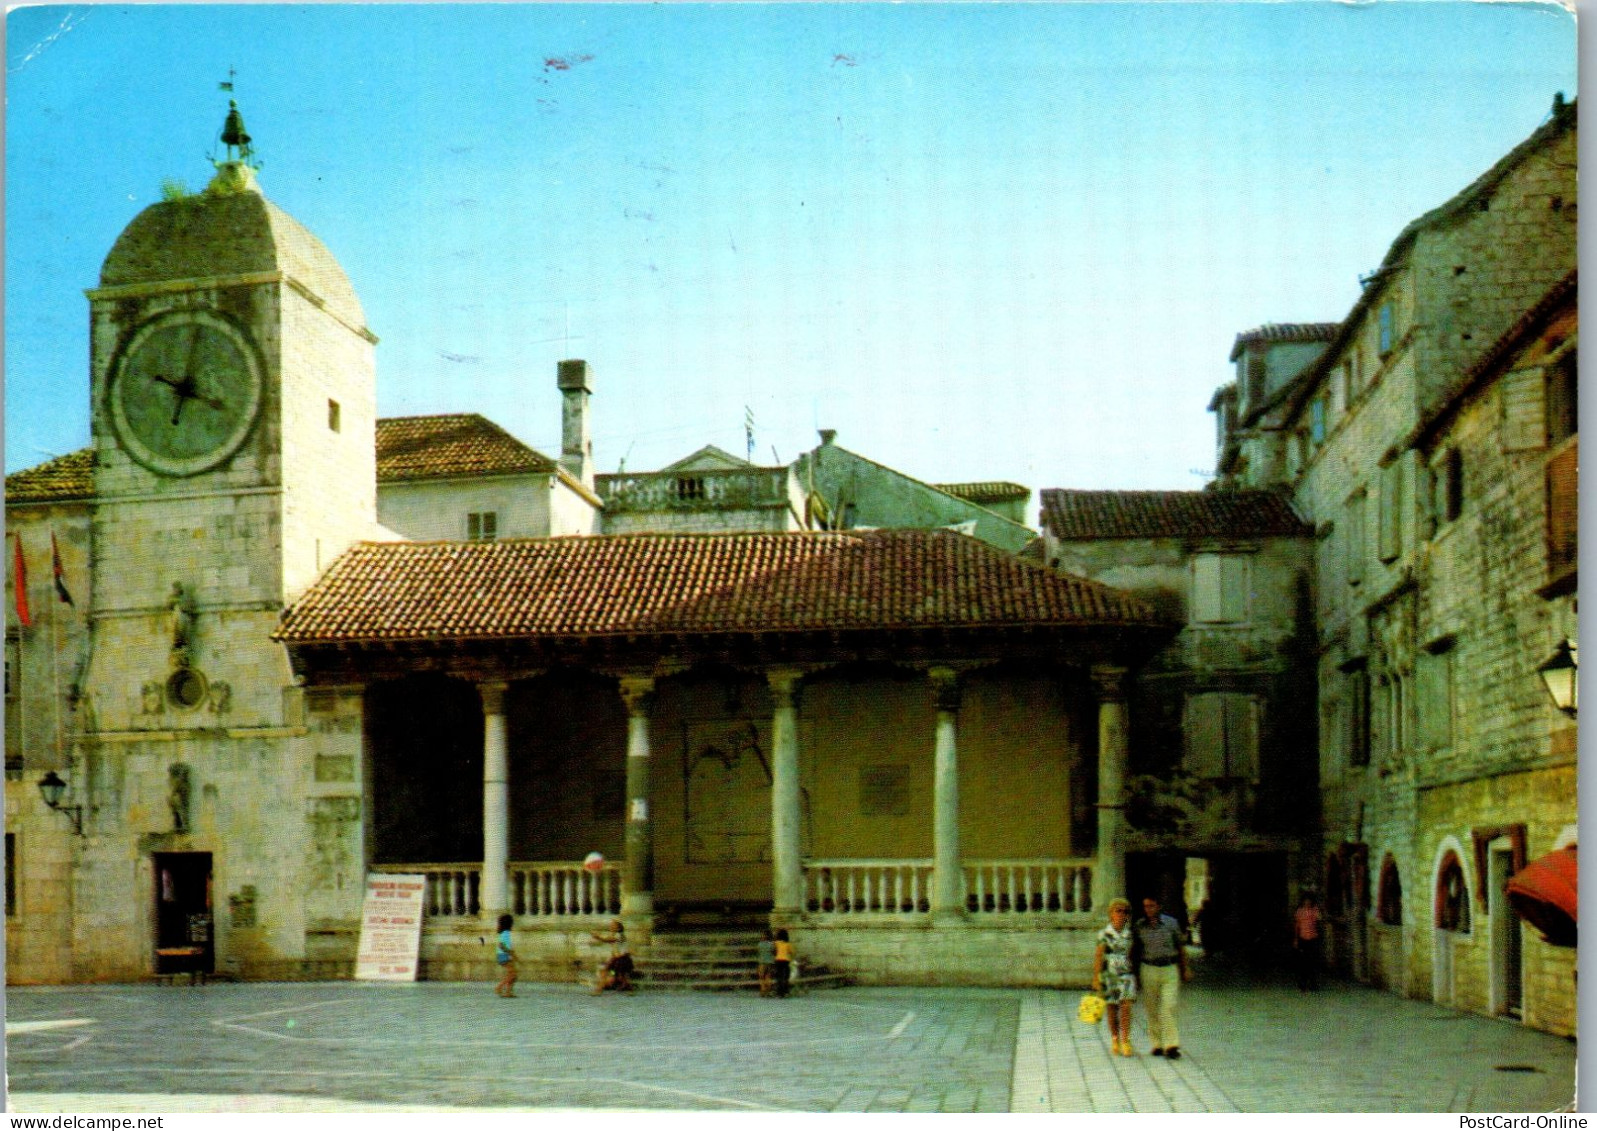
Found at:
<point>184,939</point>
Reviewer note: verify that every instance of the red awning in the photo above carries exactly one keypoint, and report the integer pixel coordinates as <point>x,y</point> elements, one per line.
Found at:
<point>1546,893</point>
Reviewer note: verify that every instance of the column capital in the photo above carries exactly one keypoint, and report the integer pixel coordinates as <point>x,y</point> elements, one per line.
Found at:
<point>945,687</point>
<point>784,683</point>
<point>635,692</point>
<point>1109,681</point>
<point>492,692</point>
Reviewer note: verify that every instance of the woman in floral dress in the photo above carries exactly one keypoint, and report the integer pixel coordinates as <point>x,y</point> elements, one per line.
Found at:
<point>1112,976</point>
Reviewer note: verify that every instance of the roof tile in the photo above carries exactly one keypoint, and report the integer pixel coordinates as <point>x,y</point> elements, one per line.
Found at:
<point>654,584</point>
<point>1076,515</point>
<point>62,479</point>
<point>459,444</point>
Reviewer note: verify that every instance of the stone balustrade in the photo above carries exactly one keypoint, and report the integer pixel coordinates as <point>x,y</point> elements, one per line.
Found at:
<point>989,887</point>
<point>1028,887</point>
<point>701,489</point>
<point>537,889</point>
<point>890,887</point>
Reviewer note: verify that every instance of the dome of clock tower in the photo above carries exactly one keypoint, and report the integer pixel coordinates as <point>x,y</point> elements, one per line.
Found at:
<point>229,229</point>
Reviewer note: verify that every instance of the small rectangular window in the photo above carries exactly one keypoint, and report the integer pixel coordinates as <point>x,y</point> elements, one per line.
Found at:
<point>1258,371</point>
<point>1354,540</point>
<point>1450,485</point>
<point>1434,675</point>
<point>1317,419</point>
<point>1222,735</point>
<point>1220,585</point>
<point>1391,516</point>
<point>334,417</point>
<point>482,526</point>
<point>1562,399</point>
<point>11,874</point>
<point>1385,317</point>
<point>1358,722</point>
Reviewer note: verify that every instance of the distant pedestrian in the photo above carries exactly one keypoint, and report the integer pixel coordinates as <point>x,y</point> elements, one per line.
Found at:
<point>1306,942</point>
<point>615,972</point>
<point>1159,959</point>
<point>782,962</point>
<point>766,960</point>
<point>1112,976</point>
<point>505,956</point>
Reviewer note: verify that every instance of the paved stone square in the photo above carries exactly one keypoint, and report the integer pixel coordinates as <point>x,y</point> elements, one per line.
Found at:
<point>350,1046</point>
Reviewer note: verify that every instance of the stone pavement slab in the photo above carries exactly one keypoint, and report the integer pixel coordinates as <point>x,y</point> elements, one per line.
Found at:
<point>452,1046</point>
<point>1261,1046</point>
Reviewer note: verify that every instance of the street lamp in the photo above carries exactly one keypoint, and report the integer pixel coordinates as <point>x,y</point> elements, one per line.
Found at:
<point>51,787</point>
<point>1561,673</point>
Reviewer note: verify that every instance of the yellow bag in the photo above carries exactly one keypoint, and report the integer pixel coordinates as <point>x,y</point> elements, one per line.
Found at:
<point>1091,1009</point>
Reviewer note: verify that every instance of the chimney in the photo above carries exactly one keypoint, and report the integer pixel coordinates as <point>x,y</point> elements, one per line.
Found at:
<point>576,442</point>
<point>828,435</point>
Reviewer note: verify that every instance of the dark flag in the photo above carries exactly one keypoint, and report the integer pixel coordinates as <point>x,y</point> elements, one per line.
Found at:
<point>60,582</point>
<point>19,579</point>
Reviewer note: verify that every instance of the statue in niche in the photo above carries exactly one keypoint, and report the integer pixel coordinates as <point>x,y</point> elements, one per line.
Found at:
<point>177,796</point>
<point>180,618</point>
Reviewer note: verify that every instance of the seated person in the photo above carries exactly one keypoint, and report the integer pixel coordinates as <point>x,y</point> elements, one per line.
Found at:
<point>615,973</point>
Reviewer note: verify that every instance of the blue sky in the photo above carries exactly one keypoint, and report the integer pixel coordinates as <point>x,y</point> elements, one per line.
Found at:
<point>982,241</point>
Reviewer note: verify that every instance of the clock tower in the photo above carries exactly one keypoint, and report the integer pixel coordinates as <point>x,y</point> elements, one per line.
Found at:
<point>234,420</point>
<point>233,392</point>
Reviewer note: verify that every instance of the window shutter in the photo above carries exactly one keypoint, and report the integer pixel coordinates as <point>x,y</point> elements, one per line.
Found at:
<point>1233,588</point>
<point>1207,601</point>
<point>1563,510</point>
<point>1434,673</point>
<point>1355,538</point>
<point>1242,736</point>
<point>1205,730</point>
<point>1391,533</point>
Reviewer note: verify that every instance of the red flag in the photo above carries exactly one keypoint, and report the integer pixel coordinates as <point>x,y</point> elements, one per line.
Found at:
<point>19,577</point>
<point>60,582</point>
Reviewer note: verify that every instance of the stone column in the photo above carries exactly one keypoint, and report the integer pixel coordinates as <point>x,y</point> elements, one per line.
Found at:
<point>947,879</point>
<point>637,888</point>
<point>787,861</point>
<point>1109,872</point>
<point>494,895</point>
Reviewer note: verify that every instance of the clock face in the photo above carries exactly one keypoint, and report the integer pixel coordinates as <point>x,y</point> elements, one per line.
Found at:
<point>185,392</point>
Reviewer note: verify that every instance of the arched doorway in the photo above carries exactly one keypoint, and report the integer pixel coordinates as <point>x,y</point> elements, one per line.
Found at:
<point>1451,918</point>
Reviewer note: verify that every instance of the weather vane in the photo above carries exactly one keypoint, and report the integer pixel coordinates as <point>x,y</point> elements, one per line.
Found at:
<point>234,136</point>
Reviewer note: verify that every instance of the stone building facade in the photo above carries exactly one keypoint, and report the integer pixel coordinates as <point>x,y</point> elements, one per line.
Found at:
<point>1222,790</point>
<point>1442,762</point>
<point>848,722</point>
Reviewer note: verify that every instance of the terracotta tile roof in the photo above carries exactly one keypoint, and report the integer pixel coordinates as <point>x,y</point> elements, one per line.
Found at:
<point>986,492</point>
<point>456,445</point>
<point>1285,332</point>
<point>61,479</point>
<point>408,447</point>
<point>1077,515</point>
<point>663,584</point>
<point>1563,296</point>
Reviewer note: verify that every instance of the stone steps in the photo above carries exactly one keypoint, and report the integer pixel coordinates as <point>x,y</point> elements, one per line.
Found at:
<point>713,961</point>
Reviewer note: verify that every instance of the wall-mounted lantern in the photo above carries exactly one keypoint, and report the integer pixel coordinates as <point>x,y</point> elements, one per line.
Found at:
<point>1561,673</point>
<point>51,787</point>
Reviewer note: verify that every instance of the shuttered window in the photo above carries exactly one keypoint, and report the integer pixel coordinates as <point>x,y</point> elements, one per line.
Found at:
<point>1354,540</point>
<point>1220,584</point>
<point>1391,534</point>
<point>1222,735</point>
<point>1434,676</point>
